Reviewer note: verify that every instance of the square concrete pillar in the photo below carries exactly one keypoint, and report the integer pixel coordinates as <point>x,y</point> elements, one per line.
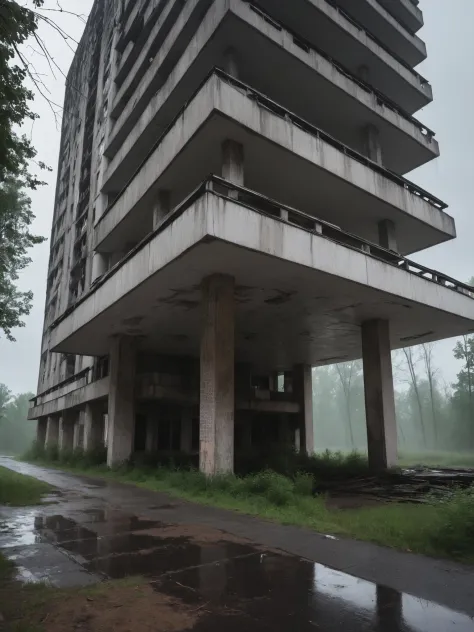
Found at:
<point>52,432</point>
<point>93,426</point>
<point>233,164</point>
<point>231,65</point>
<point>285,434</point>
<point>373,146</point>
<point>186,430</point>
<point>121,412</point>
<point>66,432</point>
<point>303,390</point>
<point>161,207</point>
<point>388,235</point>
<point>151,433</point>
<point>217,376</point>
<point>99,265</point>
<point>379,395</point>
<point>41,426</point>
<point>78,435</point>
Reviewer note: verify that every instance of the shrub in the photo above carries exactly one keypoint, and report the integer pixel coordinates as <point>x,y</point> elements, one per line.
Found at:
<point>36,452</point>
<point>455,530</point>
<point>303,484</point>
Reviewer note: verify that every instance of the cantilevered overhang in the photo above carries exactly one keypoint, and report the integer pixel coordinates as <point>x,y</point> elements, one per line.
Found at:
<point>265,52</point>
<point>406,12</point>
<point>325,26</point>
<point>285,159</point>
<point>382,26</point>
<point>301,296</point>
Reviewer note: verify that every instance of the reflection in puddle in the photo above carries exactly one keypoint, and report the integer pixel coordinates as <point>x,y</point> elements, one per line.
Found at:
<point>234,585</point>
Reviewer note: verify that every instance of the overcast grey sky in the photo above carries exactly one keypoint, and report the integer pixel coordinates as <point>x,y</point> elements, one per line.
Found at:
<point>448,35</point>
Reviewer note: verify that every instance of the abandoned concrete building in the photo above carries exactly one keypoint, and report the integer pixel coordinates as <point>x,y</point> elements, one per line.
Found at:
<point>231,210</point>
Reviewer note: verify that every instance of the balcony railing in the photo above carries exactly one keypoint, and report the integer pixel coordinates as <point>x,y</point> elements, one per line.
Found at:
<point>307,46</point>
<point>70,380</point>
<point>266,206</point>
<point>283,113</point>
<point>377,41</point>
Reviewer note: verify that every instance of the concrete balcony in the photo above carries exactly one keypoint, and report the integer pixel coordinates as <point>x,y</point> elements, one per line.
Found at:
<point>75,391</point>
<point>382,26</point>
<point>325,26</point>
<point>313,83</point>
<point>152,23</point>
<point>299,281</point>
<point>195,35</point>
<point>285,158</point>
<point>406,12</point>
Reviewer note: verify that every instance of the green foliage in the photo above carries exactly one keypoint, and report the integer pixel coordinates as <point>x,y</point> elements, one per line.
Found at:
<point>17,24</point>
<point>77,458</point>
<point>15,241</point>
<point>18,490</point>
<point>16,432</point>
<point>454,535</point>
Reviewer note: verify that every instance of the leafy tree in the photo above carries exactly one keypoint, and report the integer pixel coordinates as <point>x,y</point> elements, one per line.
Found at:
<point>16,432</point>
<point>17,24</point>
<point>5,397</point>
<point>15,241</point>
<point>463,389</point>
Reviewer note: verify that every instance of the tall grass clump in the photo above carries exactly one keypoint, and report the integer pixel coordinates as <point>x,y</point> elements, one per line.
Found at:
<point>453,533</point>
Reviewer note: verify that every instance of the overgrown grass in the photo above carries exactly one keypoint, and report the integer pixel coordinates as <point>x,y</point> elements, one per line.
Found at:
<point>440,529</point>
<point>19,490</point>
<point>437,459</point>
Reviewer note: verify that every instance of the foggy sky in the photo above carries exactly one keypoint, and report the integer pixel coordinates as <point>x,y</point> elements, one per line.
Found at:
<point>448,36</point>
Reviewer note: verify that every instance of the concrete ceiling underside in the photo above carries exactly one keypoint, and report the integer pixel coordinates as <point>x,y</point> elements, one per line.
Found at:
<point>285,313</point>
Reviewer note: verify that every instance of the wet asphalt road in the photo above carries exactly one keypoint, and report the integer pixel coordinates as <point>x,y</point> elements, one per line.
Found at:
<point>91,530</point>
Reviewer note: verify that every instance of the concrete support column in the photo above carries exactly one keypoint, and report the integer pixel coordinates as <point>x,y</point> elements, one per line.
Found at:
<point>93,427</point>
<point>233,163</point>
<point>285,437</point>
<point>379,395</point>
<point>186,430</point>
<point>161,207</point>
<point>151,434</point>
<point>121,412</point>
<point>99,265</point>
<point>217,376</point>
<point>373,147</point>
<point>247,440</point>
<point>78,436</point>
<point>364,73</point>
<point>303,390</point>
<point>41,426</point>
<point>66,432</point>
<point>231,65</point>
<point>52,432</point>
<point>388,235</point>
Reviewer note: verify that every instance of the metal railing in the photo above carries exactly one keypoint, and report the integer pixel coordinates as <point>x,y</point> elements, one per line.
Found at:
<point>279,110</point>
<point>377,41</point>
<point>282,112</point>
<point>215,185</point>
<point>69,380</point>
<point>308,46</point>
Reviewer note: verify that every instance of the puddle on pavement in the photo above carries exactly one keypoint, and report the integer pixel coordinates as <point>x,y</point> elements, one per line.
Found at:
<point>271,592</point>
<point>231,584</point>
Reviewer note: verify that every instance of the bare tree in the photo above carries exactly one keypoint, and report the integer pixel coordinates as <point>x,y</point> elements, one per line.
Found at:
<point>411,361</point>
<point>347,372</point>
<point>427,354</point>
